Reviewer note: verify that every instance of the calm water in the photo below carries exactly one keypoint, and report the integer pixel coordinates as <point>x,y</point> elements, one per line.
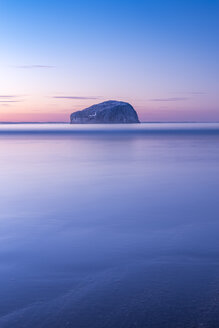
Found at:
<point>109,226</point>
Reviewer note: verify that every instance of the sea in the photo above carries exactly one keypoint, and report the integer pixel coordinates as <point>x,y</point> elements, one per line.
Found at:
<point>109,226</point>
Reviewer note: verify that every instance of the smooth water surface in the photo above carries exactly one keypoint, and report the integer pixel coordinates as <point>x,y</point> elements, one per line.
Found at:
<point>109,229</point>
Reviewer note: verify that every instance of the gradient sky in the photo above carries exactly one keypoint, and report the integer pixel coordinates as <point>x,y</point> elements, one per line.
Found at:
<point>60,56</point>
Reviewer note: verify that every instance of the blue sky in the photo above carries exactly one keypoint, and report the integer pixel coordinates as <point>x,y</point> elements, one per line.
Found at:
<point>162,56</point>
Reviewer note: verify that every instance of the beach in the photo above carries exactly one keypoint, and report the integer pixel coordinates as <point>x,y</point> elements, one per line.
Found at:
<point>109,227</point>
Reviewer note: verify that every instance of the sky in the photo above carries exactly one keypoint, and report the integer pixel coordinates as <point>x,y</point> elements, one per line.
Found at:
<point>161,56</point>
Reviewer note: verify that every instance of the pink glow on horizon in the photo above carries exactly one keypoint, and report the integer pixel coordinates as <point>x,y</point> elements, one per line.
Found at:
<point>145,115</point>
<point>34,117</point>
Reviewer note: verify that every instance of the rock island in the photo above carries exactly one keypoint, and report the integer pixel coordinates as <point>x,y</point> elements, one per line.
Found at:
<point>111,111</point>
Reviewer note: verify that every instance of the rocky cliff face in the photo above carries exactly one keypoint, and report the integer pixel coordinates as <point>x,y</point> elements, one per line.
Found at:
<point>107,112</point>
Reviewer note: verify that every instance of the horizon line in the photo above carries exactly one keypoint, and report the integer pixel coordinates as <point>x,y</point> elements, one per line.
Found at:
<point>64,122</point>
